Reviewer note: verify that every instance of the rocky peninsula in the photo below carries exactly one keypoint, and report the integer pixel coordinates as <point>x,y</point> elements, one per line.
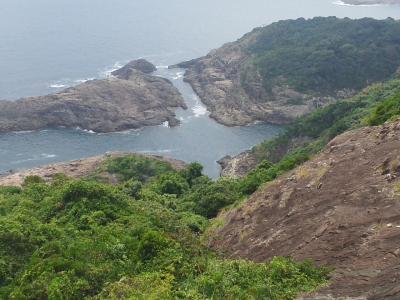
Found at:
<point>216,78</point>
<point>132,98</point>
<point>233,100</point>
<point>261,77</point>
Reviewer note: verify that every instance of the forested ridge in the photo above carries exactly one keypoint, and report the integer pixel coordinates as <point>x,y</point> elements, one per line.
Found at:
<point>324,55</point>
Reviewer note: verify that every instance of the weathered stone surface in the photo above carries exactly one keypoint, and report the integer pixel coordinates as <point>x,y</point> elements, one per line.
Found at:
<point>141,65</point>
<point>107,105</point>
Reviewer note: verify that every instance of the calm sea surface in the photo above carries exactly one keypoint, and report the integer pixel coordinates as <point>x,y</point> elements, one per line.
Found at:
<point>47,45</point>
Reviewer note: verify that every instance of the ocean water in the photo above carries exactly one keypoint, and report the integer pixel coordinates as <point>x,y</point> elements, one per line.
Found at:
<point>47,45</point>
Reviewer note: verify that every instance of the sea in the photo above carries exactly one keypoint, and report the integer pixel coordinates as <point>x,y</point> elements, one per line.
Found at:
<point>47,45</point>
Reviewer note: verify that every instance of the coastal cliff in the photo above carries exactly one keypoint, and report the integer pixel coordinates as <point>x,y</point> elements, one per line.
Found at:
<point>288,69</point>
<point>131,99</point>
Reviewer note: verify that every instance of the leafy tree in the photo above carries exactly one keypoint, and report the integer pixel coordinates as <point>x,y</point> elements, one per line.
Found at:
<point>209,199</point>
<point>193,171</point>
<point>137,167</point>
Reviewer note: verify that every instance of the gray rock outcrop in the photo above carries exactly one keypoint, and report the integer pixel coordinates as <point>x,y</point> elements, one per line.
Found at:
<point>132,99</point>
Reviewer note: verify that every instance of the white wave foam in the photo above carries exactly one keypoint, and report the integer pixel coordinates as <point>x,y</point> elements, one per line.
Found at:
<point>83,80</point>
<point>45,155</point>
<point>85,130</point>
<point>199,110</point>
<point>23,131</point>
<point>178,75</point>
<point>342,3</point>
<point>165,124</point>
<point>57,85</point>
<point>108,70</point>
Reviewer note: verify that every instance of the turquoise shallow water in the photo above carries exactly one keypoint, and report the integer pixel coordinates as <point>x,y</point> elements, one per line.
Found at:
<point>47,45</point>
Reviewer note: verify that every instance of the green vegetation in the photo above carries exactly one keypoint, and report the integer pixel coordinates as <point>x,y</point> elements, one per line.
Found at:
<point>136,168</point>
<point>308,135</point>
<point>139,239</point>
<point>325,55</point>
<point>387,110</point>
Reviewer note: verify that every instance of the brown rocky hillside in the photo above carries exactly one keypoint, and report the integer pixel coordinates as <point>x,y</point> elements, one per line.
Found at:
<point>341,209</point>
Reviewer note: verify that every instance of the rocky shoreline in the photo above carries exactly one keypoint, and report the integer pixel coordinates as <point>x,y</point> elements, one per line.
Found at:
<point>131,99</point>
<point>233,100</point>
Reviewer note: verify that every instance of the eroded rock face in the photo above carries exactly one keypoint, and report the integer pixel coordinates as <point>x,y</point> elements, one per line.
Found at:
<point>232,88</point>
<point>134,100</point>
<point>237,166</point>
<point>341,209</point>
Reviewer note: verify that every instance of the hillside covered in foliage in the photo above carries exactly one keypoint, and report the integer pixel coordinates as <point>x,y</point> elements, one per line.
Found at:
<point>324,55</point>
<point>140,239</point>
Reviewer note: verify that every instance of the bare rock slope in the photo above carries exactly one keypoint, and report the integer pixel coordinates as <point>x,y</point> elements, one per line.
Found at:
<point>132,99</point>
<point>341,209</point>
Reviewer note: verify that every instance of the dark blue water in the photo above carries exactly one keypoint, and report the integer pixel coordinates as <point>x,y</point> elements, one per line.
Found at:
<point>46,45</point>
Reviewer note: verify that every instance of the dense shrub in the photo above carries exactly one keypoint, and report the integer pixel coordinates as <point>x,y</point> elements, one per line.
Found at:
<point>209,199</point>
<point>385,111</point>
<point>137,167</point>
<point>82,239</point>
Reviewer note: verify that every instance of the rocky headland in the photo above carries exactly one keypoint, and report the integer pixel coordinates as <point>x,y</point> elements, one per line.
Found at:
<point>260,77</point>
<point>217,79</point>
<point>132,98</point>
<point>341,209</point>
